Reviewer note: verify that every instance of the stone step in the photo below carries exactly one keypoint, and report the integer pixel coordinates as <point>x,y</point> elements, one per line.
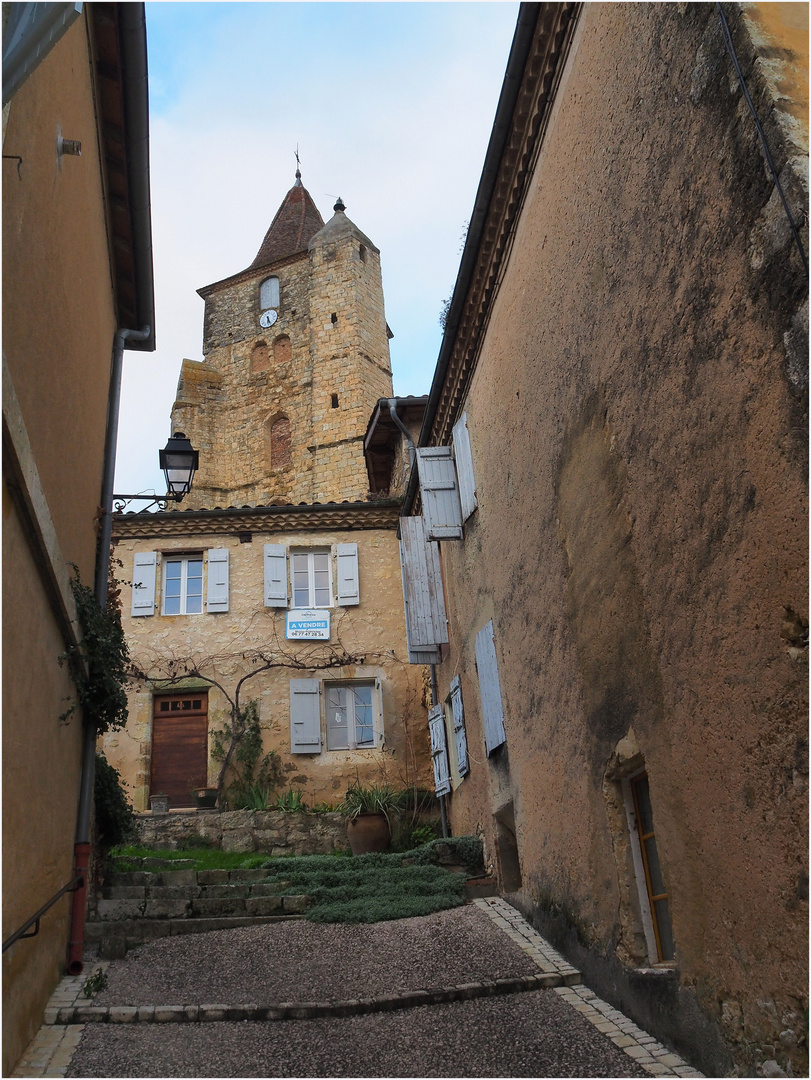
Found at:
<point>242,889</point>
<point>115,938</point>
<point>199,907</point>
<point>129,878</point>
<point>481,886</point>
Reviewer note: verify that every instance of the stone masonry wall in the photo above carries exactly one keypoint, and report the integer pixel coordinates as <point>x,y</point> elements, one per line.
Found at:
<point>373,629</point>
<point>271,832</point>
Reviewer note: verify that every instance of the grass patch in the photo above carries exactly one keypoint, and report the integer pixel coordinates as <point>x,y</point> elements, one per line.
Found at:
<point>123,858</point>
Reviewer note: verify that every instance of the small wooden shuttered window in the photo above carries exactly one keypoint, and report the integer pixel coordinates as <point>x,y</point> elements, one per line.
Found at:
<point>463,457</point>
<point>305,716</point>
<point>348,592</point>
<point>143,583</point>
<point>489,689</point>
<point>217,592</point>
<point>440,495</point>
<point>439,750</point>
<point>275,575</point>
<point>423,595</point>
<point>459,726</point>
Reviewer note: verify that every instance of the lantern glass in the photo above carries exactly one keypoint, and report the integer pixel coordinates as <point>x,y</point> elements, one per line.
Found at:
<point>179,462</point>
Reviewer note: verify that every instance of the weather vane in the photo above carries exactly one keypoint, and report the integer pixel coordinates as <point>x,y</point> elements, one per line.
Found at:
<point>298,160</point>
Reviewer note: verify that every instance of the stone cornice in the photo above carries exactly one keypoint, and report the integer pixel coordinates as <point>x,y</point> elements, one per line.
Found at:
<point>533,104</point>
<point>309,517</point>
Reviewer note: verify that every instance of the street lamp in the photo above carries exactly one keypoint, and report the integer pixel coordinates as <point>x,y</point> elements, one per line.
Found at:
<point>179,461</point>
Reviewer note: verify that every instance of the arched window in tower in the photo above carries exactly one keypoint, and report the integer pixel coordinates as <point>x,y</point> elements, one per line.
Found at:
<point>362,253</point>
<point>278,442</point>
<point>269,293</point>
<point>260,358</point>
<point>282,349</point>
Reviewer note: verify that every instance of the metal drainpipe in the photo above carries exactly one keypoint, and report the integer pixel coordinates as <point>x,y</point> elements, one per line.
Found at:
<point>412,451</point>
<point>412,456</point>
<point>81,857</point>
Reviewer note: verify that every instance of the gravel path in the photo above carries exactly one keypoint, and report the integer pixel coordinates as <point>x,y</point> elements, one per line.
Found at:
<point>301,961</point>
<point>532,1034</point>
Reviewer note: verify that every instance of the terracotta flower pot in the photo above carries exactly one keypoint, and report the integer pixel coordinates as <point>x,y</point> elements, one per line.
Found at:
<point>367,833</point>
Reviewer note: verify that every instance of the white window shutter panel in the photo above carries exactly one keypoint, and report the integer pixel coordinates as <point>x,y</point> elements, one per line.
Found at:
<point>305,716</point>
<point>143,583</point>
<point>464,467</point>
<point>275,575</point>
<point>348,592</point>
<point>439,750</point>
<point>217,591</point>
<point>489,689</point>
<point>440,494</point>
<point>459,726</point>
<point>423,595</point>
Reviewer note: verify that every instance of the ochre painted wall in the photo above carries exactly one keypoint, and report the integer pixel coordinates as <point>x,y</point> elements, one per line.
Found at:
<point>58,325</point>
<point>639,441</point>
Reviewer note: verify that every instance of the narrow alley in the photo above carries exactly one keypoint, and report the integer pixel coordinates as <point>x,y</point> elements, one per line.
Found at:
<point>469,992</point>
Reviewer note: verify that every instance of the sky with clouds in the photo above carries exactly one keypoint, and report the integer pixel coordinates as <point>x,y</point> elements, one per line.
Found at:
<point>391,106</point>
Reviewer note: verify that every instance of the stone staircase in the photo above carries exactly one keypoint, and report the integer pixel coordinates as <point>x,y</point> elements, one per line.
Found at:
<point>141,905</point>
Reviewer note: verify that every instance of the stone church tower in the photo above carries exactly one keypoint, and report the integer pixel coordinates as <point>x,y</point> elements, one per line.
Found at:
<point>296,358</point>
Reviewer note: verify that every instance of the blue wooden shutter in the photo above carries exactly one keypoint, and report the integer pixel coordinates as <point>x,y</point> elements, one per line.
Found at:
<point>217,592</point>
<point>275,575</point>
<point>489,689</point>
<point>439,750</point>
<point>348,592</point>
<point>143,583</point>
<point>463,457</point>
<point>440,495</point>
<point>459,725</point>
<point>305,716</point>
<point>423,595</point>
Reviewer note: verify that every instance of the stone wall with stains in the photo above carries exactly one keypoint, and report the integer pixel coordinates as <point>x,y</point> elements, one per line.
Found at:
<point>638,420</point>
<point>222,645</point>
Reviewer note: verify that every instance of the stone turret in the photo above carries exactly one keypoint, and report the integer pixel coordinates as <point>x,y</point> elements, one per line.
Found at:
<point>296,357</point>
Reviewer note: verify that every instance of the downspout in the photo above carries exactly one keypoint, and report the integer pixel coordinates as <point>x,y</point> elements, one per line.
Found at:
<point>81,857</point>
<point>412,458</point>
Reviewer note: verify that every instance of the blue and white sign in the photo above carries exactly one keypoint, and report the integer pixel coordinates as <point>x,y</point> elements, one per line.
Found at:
<point>308,624</point>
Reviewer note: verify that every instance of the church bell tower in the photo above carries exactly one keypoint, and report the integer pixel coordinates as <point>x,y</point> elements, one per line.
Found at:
<point>296,356</point>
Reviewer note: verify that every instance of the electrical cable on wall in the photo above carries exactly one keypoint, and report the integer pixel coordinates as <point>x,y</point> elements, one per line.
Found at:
<point>733,54</point>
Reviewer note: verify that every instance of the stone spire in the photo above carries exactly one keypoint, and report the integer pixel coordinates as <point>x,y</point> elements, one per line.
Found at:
<point>296,223</point>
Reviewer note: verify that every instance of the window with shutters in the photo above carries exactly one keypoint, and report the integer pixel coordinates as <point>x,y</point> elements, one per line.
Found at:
<point>183,585</point>
<point>352,716</point>
<point>489,689</point>
<point>311,579</point>
<point>654,898</point>
<point>269,293</point>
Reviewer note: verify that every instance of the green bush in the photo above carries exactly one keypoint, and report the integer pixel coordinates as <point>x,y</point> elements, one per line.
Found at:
<point>115,818</point>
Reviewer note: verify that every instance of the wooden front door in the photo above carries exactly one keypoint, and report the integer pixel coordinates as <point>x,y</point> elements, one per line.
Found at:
<point>179,746</point>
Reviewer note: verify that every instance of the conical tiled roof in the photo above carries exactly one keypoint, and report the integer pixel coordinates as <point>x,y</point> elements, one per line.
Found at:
<point>296,223</point>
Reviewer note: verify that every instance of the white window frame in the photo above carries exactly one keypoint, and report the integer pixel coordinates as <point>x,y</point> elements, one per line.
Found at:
<point>377,718</point>
<point>310,553</point>
<point>191,556</point>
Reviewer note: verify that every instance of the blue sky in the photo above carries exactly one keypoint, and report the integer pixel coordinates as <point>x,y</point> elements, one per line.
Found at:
<point>391,106</point>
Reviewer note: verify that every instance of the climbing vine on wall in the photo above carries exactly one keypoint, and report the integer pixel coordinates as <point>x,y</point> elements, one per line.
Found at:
<point>99,663</point>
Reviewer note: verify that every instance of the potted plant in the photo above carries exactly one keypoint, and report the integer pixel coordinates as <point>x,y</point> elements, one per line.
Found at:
<point>205,798</point>
<point>367,808</point>
<point>159,803</point>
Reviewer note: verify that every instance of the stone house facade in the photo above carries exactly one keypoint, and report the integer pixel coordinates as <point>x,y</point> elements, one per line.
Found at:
<point>279,576</point>
<point>620,404</point>
<point>77,270</point>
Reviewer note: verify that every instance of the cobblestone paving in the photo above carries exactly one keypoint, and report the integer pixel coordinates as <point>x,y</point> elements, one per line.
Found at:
<point>52,1051</point>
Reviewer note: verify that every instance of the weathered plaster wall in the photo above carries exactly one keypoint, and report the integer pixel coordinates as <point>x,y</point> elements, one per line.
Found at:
<point>373,629</point>
<point>58,325</point>
<point>639,441</point>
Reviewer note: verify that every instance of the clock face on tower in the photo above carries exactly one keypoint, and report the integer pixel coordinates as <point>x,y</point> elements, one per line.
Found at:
<point>268,318</point>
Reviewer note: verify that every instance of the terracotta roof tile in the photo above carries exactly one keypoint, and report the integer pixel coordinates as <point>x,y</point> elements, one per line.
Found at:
<point>296,223</point>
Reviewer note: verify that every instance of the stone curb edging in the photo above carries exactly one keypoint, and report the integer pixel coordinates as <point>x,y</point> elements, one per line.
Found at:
<point>305,1010</point>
